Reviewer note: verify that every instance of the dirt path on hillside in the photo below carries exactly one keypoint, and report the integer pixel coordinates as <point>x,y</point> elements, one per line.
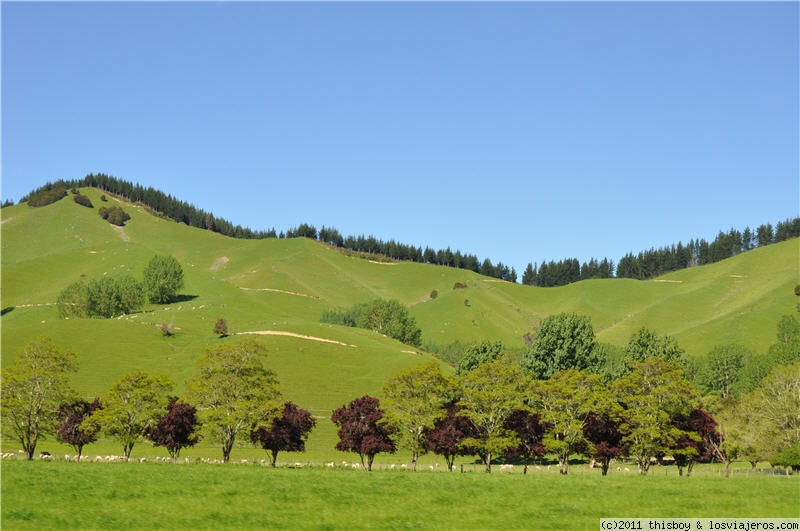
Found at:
<point>6,219</point>
<point>122,233</point>
<point>295,293</point>
<point>218,263</point>
<point>292,334</point>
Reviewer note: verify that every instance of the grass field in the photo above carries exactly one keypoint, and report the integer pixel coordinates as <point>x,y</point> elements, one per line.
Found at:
<point>63,495</point>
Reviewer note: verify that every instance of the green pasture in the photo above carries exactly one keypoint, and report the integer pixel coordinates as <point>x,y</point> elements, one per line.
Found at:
<point>285,286</point>
<point>67,495</point>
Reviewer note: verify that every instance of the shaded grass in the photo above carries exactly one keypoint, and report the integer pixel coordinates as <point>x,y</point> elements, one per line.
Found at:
<point>62,495</point>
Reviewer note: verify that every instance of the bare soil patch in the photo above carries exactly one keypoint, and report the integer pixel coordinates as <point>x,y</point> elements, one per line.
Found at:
<point>219,262</point>
<point>295,293</point>
<point>292,334</point>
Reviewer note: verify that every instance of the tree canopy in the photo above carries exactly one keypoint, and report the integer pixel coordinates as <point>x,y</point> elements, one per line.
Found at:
<point>233,391</point>
<point>564,341</point>
<point>361,430</point>
<point>33,389</point>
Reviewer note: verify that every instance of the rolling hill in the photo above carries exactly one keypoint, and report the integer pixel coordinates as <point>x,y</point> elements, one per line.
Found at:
<point>280,288</point>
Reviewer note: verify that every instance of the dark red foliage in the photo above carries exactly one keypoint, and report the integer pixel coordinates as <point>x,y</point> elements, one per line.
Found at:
<point>286,433</point>
<point>360,431</point>
<point>446,436</point>
<point>176,429</point>
<point>529,430</point>
<point>604,434</point>
<point>700,434</point>
<point>70,417</point>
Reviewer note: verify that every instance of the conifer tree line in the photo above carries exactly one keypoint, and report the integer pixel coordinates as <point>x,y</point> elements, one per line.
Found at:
<point>641,266</point>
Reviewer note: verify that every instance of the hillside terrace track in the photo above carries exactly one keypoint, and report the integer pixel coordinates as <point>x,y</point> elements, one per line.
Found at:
<point>299,336</point>
<point>283,291</point>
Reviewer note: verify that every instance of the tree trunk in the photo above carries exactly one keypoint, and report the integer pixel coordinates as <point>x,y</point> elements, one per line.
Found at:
<point>227,446</point>
<point>488,462</point>
<point>450,460</point>
<point>370,458</point>
<point>274,458</point>
<point>727,468</point>
<point>414,457</point>
<point>563,465</point>
<point>644,466</point>
<point>127,448</point>
<point>604,464</point>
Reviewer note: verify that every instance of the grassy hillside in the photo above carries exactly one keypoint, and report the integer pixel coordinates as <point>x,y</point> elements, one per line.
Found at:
<point>285,285</point>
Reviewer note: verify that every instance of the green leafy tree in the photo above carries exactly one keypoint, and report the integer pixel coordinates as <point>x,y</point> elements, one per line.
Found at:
<point>413,401</point>
<point>776,409</point>
<point>73,302</point>
<point>653,395</point>
<point>233,391</point>
<point>564,341</point>
<point>131,408</point>
<point>645,344</point>
<point>491,393</point>
<point>565,403</point>
<point>110,297</point>
<point>722,369</point>
<point>163,278</point>
<point>33,388</point>
<point>475,355</point>
<point>786,350</point>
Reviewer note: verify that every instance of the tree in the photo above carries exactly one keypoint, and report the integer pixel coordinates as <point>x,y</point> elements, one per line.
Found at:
<point>652,395</point>
<point>491,393</point>
<point>131,408</point>
<point>361,431</point>
<point>697,442</point>
<point>109,297</point>
<point>565,402</point>
<point>529,431</point>
<point>285,433</point>
<point>448,434</point>
<point>413,401</point>
<point>602,430</point>
<point>70,430</point>
<point>73,302</point>
<point>786,350</point>
<point>233,391</point>
<point>645,344</point>
<point>564,341</point>
<point>390,318</point>
<point>477,354</point>
<point>163,277</point>
<point>775,406</point>
<point>722,368</point>
<point>33,389</point>
<point>176,429</point>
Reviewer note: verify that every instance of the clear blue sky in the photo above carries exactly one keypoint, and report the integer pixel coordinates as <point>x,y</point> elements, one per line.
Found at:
<point>519,132</point>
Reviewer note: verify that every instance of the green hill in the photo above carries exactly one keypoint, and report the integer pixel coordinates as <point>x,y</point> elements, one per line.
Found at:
<point>282,286</point>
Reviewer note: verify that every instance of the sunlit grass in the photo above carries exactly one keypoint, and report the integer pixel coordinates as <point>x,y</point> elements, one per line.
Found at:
<point>63,495</point>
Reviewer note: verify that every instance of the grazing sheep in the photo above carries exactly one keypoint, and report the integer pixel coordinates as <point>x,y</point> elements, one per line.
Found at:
<point>330,465</point>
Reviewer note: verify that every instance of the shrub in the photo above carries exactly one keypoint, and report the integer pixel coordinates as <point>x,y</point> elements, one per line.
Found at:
<point>45,197</point>
<point>460,285</point>
<point>221,328</point>
<point>114,215</point>
<point>434,294</point>
<point>83,200</point>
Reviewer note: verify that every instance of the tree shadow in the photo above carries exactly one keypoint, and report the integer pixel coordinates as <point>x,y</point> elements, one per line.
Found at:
<point>7,309</point>
<point>184,298</point>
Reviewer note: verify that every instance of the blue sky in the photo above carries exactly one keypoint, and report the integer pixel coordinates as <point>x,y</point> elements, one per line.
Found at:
<point>519,132</point>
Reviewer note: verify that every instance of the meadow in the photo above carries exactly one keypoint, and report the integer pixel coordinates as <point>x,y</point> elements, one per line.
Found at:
<point>68,495</point>
<point>283,286</point>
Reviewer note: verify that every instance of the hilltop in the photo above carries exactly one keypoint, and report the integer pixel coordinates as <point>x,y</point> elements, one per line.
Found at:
<point>279,288</point>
